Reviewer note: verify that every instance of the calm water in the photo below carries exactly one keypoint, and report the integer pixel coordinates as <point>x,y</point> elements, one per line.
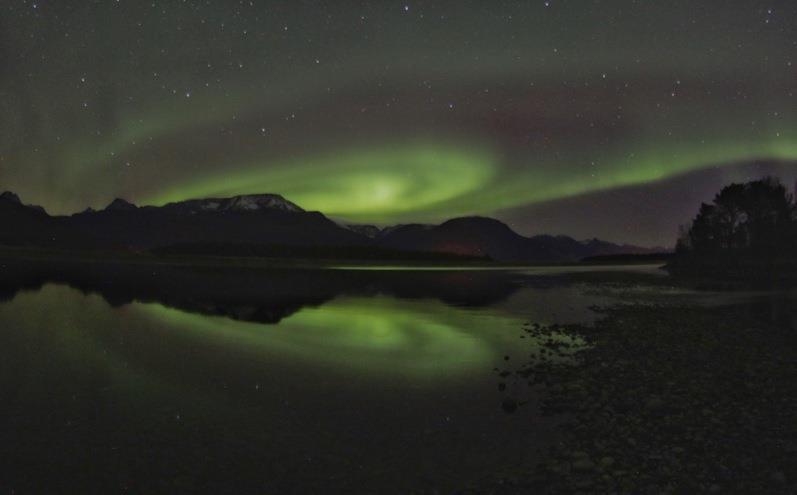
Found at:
<point>147,379</point>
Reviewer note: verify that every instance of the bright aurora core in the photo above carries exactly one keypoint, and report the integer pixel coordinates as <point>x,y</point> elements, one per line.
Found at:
<point>544,114</point>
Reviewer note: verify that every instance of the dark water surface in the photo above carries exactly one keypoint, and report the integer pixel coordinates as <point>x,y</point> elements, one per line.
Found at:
<point>156,379</point>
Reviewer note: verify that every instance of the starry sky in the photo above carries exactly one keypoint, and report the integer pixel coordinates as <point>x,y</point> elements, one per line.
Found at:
<point>607,118</point>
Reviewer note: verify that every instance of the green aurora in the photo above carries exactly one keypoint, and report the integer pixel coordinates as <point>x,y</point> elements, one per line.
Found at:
<point>431,182</point>
<point>379,338</point>
<point>380,113</point>
<point>382,337</point>
<point>408,179</point>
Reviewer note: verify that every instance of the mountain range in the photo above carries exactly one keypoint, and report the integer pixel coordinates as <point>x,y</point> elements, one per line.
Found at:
<point>256,224</point>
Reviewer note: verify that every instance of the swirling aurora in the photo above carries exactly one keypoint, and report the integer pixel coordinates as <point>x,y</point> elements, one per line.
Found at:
<point>390,113</point>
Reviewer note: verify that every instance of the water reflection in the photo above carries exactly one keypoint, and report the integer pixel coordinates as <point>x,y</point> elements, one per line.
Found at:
<point>378,335</point>
<point>166,379</point>
<point>260,295</point>
<point>257,381</point>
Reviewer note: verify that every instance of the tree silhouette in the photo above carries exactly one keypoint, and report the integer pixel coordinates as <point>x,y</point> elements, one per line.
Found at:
<point>756,217</point>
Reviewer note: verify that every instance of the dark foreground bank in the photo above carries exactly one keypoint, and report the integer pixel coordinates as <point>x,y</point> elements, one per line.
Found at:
<point>670,400</point>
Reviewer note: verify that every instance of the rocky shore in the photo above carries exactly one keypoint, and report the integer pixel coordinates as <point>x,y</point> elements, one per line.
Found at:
<point>665,399</point>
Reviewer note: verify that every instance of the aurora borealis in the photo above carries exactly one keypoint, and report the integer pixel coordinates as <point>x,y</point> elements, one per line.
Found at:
<point>553,115</point>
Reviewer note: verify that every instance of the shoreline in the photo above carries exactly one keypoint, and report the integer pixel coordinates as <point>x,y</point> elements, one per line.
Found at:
<point>668,399</point>
<point>147,258</point>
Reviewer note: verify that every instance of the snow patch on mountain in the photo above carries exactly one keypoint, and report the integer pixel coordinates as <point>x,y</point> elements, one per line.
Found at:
<point>369,231</point>
<point>259,202</point>
<point>245,203</point>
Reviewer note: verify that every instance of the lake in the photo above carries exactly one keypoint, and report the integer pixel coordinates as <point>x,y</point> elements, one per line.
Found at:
<point>164,379</point>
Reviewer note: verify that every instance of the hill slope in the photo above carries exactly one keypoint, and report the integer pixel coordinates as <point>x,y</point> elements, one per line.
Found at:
<point>480,236</point>
<point>245,222</point>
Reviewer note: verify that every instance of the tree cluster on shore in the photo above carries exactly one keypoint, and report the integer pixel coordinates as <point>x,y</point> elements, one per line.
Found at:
<point>749,232</point>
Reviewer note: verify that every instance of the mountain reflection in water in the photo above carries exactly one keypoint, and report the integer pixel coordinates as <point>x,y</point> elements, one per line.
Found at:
<point>172,379</point>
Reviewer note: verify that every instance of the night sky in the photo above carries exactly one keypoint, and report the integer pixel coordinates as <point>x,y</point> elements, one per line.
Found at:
<point>589,118</point>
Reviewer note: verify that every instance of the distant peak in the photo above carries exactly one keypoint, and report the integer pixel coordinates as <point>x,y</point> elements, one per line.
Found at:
<point>476,221</point>
<point>260,201</point>
<point>370,231</point>
<point>12,198</point>
<point>242,203</point>
<point>9,196</point>
<point>120,204</point>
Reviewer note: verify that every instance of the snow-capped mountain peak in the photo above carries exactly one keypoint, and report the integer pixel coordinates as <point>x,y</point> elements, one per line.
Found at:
<point>243,203</point>
<point>254,202</point>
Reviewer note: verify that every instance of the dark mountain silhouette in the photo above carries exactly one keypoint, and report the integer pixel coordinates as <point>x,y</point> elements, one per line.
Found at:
<point>255,219</point>
<point>480,236</point>
<point>369,231</point>
<point>475,236</point>
<point>22,224</point>
<point>10,197</point>
<point>255,224</point>
<point>119,204</point>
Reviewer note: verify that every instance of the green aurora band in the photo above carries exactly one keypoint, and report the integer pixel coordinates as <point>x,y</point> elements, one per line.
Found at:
<point>429,182</point>
<point>386,115</point>
<point>379,336</point>
<point>407,179</point>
